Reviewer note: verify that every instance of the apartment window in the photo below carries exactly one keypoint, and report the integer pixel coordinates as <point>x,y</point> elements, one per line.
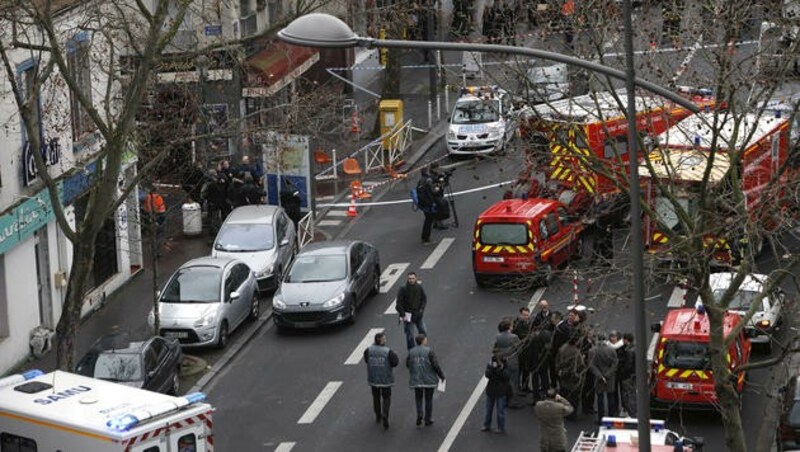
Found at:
<point>275,11</point>
<point>79,69</point>
<point>27,73</point>
<point>244,8</point>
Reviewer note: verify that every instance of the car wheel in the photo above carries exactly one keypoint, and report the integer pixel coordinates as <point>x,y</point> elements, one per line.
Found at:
<point>353,313</point>
<point>173,390</point>
<point>376,281</point>
<point>222,340</point>
<point>255,308</point>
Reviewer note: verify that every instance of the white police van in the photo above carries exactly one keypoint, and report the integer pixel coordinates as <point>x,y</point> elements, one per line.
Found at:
<point>620,434</point>
<point>65,412</point>
<point>482,121</point>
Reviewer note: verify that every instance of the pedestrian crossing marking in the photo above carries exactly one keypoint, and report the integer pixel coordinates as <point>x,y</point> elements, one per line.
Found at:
<point>391,274</point>
<point>319,403</point>
<point>285,447</point>
<point>329,223</point>
<point>336,213</point>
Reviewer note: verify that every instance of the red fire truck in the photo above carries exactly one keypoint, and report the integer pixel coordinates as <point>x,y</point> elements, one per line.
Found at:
<point>587,136</point>
<point>681,162</point>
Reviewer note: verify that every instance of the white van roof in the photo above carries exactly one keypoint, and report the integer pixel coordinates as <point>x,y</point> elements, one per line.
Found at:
<point>74,402</point>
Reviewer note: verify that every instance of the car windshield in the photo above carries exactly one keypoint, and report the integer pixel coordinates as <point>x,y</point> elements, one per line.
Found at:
<point>686,355</point>
<point>243,238</point>
<point>504,234</point>
<point>742,300</point>
<point>318,269</point>
<point>118,367</point>
<point>193,285</point>
<point>476,111</point>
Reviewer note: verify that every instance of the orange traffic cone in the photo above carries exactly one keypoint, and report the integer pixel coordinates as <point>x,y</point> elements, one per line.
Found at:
<point>355,127</point>
<point>351,211</point>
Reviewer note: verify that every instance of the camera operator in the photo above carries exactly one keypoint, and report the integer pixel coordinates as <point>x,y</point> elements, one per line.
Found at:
<point>431,198</point>
<point>441,181</point>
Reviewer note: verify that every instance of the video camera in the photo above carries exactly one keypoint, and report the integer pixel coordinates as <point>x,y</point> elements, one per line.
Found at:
<point>443,177</point>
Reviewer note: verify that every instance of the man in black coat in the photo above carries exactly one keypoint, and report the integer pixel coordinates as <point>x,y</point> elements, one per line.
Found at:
<point>410,305</point>
<point>216,195</point>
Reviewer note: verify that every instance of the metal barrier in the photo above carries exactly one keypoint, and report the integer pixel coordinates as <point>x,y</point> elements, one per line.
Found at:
<point>376,156</point>
<point>305,233</point>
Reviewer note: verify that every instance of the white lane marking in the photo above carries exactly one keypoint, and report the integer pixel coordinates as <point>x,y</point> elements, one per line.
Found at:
<point>392,309</point>
<point>391,274</point>
<point>329,223</point>
<point>536,297</point>
<point>358,353</point>
<point>319,403</point>
<point>284,447</point>
<point>437,253</point>
<point>336,213</point>
<point>676,299</point>
<point>463,415</point>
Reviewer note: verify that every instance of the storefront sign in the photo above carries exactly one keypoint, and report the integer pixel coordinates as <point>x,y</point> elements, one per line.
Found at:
<point>21,222</point>
<point>51,153</point>
<point>213,30</point>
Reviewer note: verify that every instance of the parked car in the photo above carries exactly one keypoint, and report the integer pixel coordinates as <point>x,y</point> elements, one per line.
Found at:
<point>263,237</point>
<point>327,283</point>
<point>153,364</point>
<point>761,326</point>
<point>205,300</point>
<point>787,435</point>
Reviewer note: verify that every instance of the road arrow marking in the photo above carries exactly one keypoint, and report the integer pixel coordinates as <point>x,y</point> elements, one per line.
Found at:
<point>358,353</point>
<point>437,253</point>
<point>391,274</point>
<point>319,403</point>
<point>392,309</point>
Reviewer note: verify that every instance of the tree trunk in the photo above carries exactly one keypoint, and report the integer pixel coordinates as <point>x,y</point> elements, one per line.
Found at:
<point>725,382</point>
<point>68,324</point>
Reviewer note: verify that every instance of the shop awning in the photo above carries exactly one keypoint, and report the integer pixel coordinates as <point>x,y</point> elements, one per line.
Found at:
<point>275,67</point>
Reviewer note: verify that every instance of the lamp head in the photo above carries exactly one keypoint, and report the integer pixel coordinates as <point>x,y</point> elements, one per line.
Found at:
<point>319,30</point>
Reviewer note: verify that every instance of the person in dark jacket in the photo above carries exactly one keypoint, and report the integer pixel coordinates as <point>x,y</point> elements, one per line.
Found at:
<point>603,365</point>
<point>292,201</point>
<point>563,331</point>
<point>410,305</point>
<point>380,361</point>
<point>626,373</point>
<point>250,191</point>
<point>541,358</point>
<point>424,375</point>
<point>543,316</point>
<point>522,329</point>
<point>193,182</point>
<point>506,347</point>
<point>498,389</point>
<point>236,194</point>
<point>216,196</point>
<point>571,369</point>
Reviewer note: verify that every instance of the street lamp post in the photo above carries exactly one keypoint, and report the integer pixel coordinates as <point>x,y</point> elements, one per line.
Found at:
<point>323,30</point>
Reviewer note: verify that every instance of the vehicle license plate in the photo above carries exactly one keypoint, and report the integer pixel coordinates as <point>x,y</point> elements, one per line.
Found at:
<point>473,128</point>
<point>683,386</point>
<point>176,334</point>
<point>492,259</point>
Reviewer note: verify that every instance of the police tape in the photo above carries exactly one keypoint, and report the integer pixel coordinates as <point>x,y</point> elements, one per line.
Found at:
<point>405,201</point>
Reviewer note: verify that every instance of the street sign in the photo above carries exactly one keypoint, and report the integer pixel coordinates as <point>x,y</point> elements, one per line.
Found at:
<point>213,30</point>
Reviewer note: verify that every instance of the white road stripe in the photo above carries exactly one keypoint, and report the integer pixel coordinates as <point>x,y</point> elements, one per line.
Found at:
<point>536,297</point>
<point>391,274</point>
<point>392,308</point>
<point>284,447</point>
<point>358,353</point>
<point>329,223</point>
<point>319,403</point>
<point>437,253</point>
<point>463,415</point>
<point>336,213</point>
<point>676,299</point>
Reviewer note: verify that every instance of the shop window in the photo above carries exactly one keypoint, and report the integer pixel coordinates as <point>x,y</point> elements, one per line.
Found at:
<point>80,71</point>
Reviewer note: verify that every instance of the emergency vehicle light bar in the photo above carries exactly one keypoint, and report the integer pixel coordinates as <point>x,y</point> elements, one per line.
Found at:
<point>127,421</point>
<point>621,423</point>
<point>19,378</point>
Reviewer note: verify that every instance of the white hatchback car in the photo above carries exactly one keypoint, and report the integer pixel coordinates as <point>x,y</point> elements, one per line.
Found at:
<point>762,324</point>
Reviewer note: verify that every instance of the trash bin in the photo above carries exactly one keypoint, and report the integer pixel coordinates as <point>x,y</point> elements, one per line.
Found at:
<point>192,219</point>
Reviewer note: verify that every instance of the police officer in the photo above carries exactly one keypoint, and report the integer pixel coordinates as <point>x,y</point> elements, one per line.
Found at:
<point>380,361</point>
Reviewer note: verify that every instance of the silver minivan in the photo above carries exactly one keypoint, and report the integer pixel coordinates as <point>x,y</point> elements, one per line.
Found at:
<point>263,237</point>
<point>206,299</point>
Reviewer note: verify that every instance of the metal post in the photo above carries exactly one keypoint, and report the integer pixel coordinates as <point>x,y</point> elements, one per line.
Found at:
<point>335,164</point>
<point>639,314</point>
<point>438,107</point>
<point>447,98</point>
<point>430,115</point>
<point>429,54</point>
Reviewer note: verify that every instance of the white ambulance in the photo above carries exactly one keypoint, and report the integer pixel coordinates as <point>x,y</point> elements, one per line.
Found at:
<point>65,412</point>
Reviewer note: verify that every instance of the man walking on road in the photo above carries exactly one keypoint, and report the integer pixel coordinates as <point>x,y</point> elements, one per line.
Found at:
<point>424,375</point>
<point>380,361</point>
<point>551,413</point>
<point>507,347</point>
<point>411,301</point>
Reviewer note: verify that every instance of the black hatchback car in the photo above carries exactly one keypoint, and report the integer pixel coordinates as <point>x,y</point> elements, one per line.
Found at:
<point>326,283</point>
<point>153,364</point>
<point>788,434</point>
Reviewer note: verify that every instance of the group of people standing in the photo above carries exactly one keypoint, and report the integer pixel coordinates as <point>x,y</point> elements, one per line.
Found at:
<point>227,188</point>
<point>563,366</point>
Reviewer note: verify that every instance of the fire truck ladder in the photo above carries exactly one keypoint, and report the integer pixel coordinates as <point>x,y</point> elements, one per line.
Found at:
<point>589,443</point>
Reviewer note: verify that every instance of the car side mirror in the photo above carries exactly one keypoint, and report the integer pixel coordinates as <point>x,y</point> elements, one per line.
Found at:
<point>234,295</point>
<point>284,242</point>
<point>655,327</point>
